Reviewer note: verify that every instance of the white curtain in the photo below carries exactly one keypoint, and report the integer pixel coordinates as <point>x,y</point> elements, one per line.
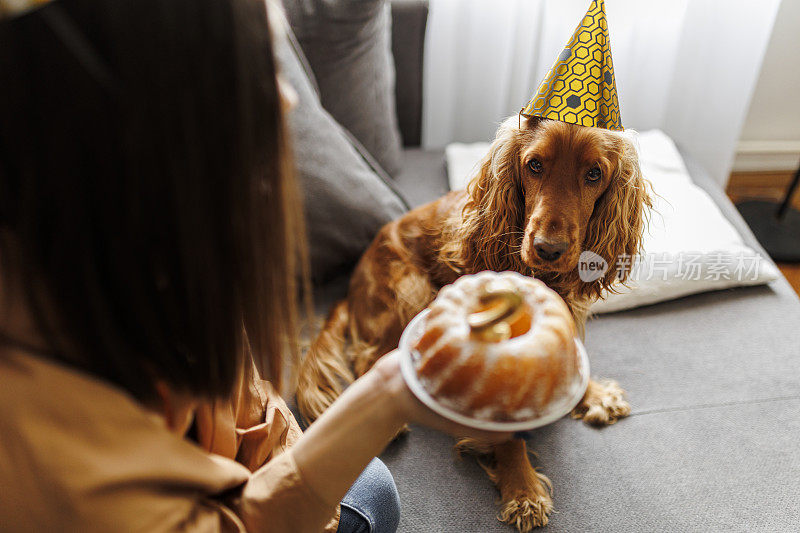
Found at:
<point>687,67</point>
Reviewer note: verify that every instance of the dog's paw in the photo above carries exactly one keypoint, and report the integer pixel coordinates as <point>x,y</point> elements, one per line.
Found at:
<point>603,404</point>
<point>474,447</point>
<point>526,512</point>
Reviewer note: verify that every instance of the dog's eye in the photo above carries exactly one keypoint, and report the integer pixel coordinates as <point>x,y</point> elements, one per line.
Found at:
<point>535,166</point>
<point>594,174</point>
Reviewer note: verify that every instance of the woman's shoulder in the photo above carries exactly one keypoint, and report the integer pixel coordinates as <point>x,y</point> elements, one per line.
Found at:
<point>74,449</point>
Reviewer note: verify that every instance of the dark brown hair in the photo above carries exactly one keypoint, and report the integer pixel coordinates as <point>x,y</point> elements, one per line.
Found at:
<point>149,209</point>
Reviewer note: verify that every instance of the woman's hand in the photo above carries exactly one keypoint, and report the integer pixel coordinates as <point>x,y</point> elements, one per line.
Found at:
<point>410,409</point>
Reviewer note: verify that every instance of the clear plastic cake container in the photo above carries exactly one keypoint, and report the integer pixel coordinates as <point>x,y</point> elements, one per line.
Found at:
<point>557,409</point>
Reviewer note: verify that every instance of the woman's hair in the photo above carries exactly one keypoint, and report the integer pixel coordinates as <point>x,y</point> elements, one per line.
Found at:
<point>148,209</point>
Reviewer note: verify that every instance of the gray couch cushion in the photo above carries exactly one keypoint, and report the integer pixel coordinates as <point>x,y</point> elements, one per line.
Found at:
<point>423,177</point>
<point>409,19</point>
<point>714,382</point>
<point>722,468</point>
<point>348,45</point>
<point>346,202</point>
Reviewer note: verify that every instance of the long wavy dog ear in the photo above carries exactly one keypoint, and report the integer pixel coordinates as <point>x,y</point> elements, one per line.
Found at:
<point>492,217</point>
<point>620,216</point>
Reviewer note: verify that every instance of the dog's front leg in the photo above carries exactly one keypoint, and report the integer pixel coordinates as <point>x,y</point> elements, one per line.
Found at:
<point>524,493</point>
<point>603,404</point>
<point>525,500</point>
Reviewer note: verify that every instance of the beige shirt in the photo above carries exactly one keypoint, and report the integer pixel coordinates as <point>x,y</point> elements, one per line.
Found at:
<point>78,454</point>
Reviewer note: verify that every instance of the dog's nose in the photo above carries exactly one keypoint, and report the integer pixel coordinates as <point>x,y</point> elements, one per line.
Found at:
<point>549,251</point>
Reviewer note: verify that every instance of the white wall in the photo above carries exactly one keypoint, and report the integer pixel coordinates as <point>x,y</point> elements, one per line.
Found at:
<point>770,138</point>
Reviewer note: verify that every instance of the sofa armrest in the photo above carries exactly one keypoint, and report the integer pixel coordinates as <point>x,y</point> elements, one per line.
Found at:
<point>409,19</point>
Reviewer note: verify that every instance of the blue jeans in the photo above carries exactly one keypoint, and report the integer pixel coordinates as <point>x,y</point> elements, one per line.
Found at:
<point>372,504</point>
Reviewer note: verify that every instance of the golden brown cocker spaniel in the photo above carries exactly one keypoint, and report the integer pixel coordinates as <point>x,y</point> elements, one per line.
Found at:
<point>546,192</point>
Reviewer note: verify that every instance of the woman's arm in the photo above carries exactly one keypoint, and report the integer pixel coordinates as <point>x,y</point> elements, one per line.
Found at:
<point>357,427</point>
<point>335,449</point>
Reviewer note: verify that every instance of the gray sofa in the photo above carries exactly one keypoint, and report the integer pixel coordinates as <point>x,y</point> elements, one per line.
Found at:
<point>713,442</point>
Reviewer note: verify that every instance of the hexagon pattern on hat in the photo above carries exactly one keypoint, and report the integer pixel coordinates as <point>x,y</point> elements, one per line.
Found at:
<point>580,87</point>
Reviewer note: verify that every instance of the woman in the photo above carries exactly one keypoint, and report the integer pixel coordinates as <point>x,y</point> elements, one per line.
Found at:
<point>148,256</point>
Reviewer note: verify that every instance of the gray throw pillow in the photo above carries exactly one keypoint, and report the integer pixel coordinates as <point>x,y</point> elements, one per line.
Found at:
<point>348,45</point>
<point>346,202</point>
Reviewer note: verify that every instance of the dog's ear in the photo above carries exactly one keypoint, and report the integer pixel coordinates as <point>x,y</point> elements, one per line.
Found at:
<point>490,228</point>
<point>620,216</point>
<point>526,122</point>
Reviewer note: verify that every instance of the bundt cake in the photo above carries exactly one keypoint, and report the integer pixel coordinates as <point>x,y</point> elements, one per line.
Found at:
<point>497,346</point>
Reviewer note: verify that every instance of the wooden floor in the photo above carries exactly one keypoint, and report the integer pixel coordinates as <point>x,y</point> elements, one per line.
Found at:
<point>766,186</point>
<point>792,273</point>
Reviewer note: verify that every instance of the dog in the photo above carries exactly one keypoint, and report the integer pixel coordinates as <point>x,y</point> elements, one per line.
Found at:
<point>545,192</point>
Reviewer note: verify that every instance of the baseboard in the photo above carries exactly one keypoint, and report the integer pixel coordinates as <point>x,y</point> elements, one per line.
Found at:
<point>767,156</point>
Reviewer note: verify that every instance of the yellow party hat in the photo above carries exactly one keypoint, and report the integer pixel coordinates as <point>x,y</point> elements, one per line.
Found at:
<point>580,87</point>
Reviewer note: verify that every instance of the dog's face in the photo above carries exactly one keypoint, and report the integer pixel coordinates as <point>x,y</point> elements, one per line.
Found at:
<point>564,170</point>
<point>548,191</point>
